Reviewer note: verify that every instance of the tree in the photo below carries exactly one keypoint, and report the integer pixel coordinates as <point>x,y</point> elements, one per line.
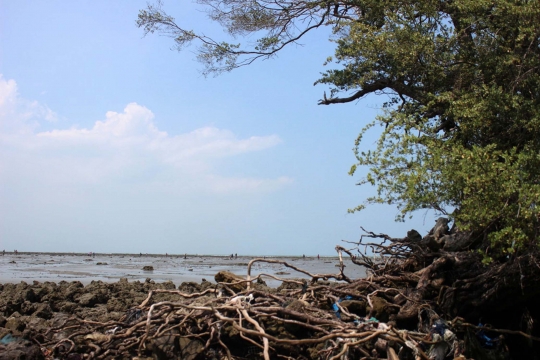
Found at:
<point>461,126</point>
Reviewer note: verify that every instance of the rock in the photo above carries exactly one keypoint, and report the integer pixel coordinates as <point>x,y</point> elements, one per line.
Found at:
<point>356,307</point>
<point>189,348</point>
<point>206,285</point>
<point>67,307</point>
<point>29,295</point>
<point>381,309</point>
<point>228,277</point>
<point>16,323</point>
<point>58,319</point>
<point>115,304</point>
<point>43,311</point>
<point>189,287</point>
<point>297,305</point>
<point>88,300</point>
<point>148,268</point>
<point>75,288</point>
<point>41,291</point>
<point>16,314</point>
<point>166,347</point>
<point>167,285</point>
<point>35,324</point>
<point>100,290</point>
<point>20,350</point>
<point>28,308</point>
<point>290,285</point>
<point>12,306</point>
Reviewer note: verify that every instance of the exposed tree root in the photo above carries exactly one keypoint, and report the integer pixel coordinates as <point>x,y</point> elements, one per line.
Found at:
<point>402,310</point>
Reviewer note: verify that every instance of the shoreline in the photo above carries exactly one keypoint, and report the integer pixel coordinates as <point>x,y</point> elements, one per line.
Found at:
<point>19,253</point>
<point>109,268</point>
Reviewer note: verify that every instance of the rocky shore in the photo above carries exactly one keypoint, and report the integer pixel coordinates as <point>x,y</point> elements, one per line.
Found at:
<point>68,320</point>
<point>327,316</point>
<point>27,310</point>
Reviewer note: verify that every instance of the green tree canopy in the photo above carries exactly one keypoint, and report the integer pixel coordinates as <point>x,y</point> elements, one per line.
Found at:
<point>461,126</point>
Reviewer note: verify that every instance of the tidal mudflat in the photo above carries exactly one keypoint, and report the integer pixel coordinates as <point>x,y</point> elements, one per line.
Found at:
<point>112,267</point>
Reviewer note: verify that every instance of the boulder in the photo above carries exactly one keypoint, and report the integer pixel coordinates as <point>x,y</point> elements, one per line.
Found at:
<point>88,300</point>
<point>165,347</point>
<point>73,289</point>
<point>357,307</point>
<point>190,348</point>
<point>19,350</point>
<point>28,308</point>
<point>189,287</point>
<point>16,323</point>
<point>43,311</point>
<point>382,309</point>
<point>228,277</point>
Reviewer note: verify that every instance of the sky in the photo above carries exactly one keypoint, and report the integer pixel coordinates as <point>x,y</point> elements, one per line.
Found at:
<point>114,142</point>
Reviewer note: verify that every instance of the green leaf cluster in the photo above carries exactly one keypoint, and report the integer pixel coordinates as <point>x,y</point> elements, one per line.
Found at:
<point>461,128</point>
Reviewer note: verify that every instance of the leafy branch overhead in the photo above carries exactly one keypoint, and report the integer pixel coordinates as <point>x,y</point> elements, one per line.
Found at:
<point>460,130</point>
<point>280,21</point>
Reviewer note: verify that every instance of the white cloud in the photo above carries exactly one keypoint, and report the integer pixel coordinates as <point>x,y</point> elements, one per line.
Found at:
<point>18,115</point>
<point>123,148</point>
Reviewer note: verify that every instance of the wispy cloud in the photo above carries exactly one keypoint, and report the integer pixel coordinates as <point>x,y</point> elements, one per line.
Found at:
<point>123,148</point>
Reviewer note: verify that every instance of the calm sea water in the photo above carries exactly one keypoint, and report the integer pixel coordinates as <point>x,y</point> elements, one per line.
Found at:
<point>111,267</point>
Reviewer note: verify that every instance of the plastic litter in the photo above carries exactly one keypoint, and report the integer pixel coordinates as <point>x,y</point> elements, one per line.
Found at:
<point>486,341</point>
<point>7,339</point>
<point>335,307</point>
<point>444,337</point>
<point>336,310</point>
<point>112,331</point>
<point>439,327</point>
<point>133,315</point>
<point>242,299</point>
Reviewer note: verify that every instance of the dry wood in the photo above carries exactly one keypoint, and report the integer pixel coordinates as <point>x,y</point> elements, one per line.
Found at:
<point>310,320</point>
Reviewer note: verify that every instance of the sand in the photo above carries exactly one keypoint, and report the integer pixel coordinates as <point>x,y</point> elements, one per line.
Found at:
<point>112,267</point>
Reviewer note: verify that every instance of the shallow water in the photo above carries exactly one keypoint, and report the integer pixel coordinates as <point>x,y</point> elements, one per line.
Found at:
<point>84,268</point>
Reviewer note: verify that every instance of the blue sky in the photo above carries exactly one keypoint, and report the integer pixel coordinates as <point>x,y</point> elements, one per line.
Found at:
<point>112,142</point>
